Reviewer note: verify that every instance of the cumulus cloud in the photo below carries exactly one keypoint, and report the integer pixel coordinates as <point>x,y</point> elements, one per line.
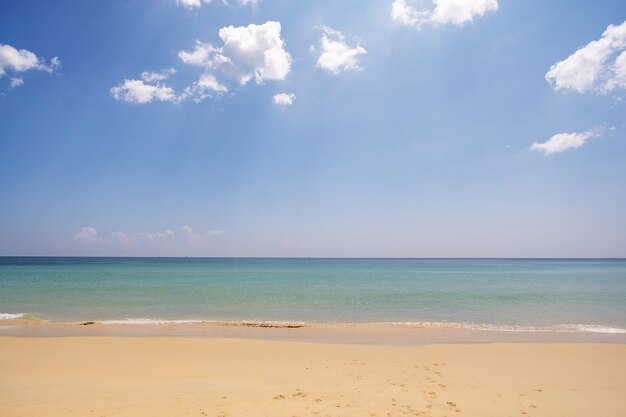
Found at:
<point>564,141</point>
<point>140,92</point>
<point>283,99</point>
<point>247,52</point>
<point>618,80</point>
<point>594,67</point>
<point>253,51</point>
<point>336,55</point>
<point>456,12</point>
<point>20,60</point>
<point>256,51</point>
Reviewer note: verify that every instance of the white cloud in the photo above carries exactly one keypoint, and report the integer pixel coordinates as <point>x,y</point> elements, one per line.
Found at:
<point>137,91</point>
<point>156,236</point>
<point>403,12</point>
<point>619,73</point>
<point>256,51</point>
<point>55,64</point>
<point>564,141</point>
<point>88,234</point>
<point>20,60</point>
<point>283,99</point>
<point>247,52</point>
<point>456,12</point>
<point>157,76</point>
<point>121,237</point>
<point>204,55</point>
<point>591,68</point>
<point>191,4</point>
<point>16,60</point>
<point>336,55</point>
<point>188,233</point>
<point>209,82</point>
<point>15,82</point>
<point>206,86</point>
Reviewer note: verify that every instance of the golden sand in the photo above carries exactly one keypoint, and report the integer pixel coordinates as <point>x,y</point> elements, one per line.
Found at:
<point>143,376</point>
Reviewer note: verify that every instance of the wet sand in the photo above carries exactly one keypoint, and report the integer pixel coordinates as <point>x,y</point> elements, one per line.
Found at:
<point>372,334</point>
<point>178,376</point>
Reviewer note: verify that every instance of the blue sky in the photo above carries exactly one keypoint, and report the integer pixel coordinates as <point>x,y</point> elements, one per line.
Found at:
<point>414,129</point>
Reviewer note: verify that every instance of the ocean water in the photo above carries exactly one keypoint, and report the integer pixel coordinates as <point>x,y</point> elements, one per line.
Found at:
<point>503,294</point>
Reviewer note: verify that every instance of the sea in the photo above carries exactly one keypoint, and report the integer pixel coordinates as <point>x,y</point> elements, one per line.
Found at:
<point>563,295</point>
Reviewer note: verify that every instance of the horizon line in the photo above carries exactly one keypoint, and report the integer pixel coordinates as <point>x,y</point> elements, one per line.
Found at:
<point>314,257</point>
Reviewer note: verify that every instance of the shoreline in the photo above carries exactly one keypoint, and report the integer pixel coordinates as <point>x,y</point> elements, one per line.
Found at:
<point>392,334</point>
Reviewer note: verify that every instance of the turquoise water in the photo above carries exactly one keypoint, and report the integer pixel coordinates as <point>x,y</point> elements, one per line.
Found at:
<point>577,295</point>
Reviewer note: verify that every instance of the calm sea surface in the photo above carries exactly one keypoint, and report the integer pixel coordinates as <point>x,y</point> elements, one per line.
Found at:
<point>569,295</point>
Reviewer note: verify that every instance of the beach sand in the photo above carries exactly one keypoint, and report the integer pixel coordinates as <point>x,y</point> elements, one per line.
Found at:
<point>177,376</point>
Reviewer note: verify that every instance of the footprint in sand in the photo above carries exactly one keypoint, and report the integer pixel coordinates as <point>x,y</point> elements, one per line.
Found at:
<point>452,405</point>
<point>279,397</point>
<point>299,394</point>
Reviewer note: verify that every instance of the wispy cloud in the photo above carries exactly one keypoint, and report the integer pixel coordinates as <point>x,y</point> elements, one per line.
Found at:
<point>191,4</point>
<point>90,235</point>
<point>188,233</point>
<point>194,4</point>
<point>15,82</point>
<point>564,141</point>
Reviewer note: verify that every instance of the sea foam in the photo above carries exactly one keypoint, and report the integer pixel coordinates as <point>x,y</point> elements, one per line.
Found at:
<point>11,316</point>
<point>559,328</point>
<point>149,321</point>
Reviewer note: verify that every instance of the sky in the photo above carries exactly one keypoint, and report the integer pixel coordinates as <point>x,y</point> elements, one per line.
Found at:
<point>360,128</point>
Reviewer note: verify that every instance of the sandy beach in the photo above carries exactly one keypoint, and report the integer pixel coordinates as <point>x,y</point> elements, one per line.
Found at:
<point>177,376</point>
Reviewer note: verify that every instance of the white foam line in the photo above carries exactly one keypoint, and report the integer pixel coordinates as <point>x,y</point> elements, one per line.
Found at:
<point>560,328</point>
<point>11,316</point>
<point>149,321</point>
